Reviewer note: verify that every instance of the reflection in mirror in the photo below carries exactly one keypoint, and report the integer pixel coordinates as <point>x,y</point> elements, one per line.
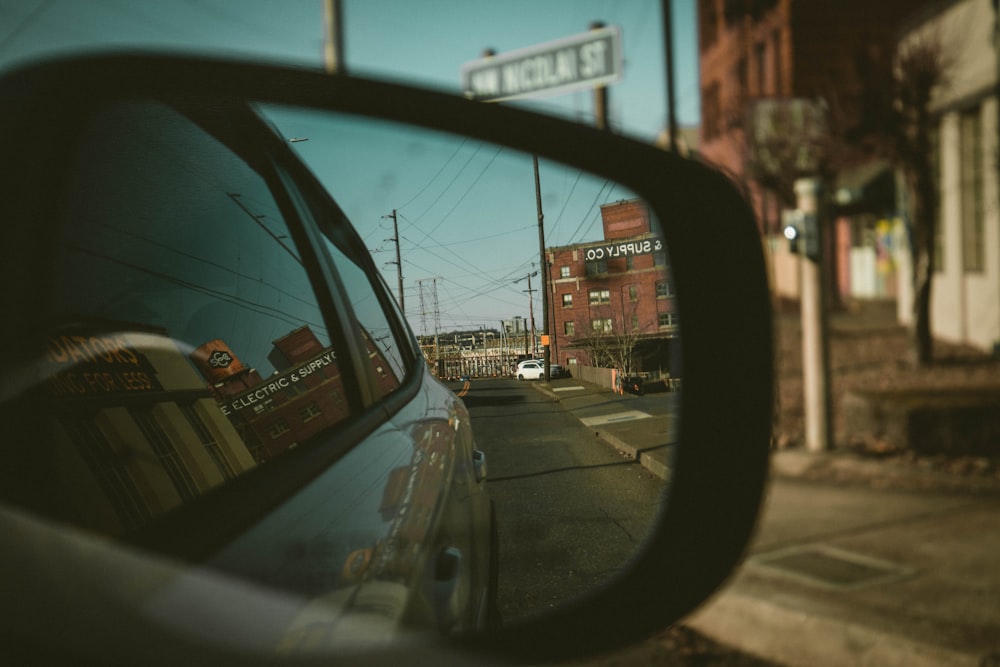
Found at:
<point>453,223</point>
<point>190,351</point>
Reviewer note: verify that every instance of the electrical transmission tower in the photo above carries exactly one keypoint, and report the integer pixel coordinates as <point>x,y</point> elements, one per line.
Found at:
<point>429,306</point>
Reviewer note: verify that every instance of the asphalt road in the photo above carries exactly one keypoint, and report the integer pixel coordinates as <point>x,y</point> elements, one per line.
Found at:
<point>571,510</point>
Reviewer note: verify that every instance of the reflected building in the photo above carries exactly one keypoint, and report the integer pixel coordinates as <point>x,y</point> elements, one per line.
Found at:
<point>140,427</point>
<point>614,298</point>
<point>304,396</point>
<point>135,431</point>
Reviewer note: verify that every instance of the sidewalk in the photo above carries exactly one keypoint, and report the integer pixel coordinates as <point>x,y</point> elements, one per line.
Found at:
<point>855,561</point>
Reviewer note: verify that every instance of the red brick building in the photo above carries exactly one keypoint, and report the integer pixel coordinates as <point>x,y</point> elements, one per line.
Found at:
<point>613,295</point>
<point>765,49</point>
<point>303,397</point>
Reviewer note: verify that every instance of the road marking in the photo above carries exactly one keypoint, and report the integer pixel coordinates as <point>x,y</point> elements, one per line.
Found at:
<point>629,415</point>
<point>568,388</point>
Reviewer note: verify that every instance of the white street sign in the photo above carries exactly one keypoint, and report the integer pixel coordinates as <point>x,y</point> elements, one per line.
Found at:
<point>590,59</point>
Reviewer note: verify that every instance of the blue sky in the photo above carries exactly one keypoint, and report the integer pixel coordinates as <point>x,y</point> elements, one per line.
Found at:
<point>422,41</point>
<point>454,231</point>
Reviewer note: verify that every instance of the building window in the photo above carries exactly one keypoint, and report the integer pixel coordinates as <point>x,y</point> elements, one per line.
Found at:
<point>564,272</point>
<point>971,141</point>
<point>664,289</point>
<point>309,412</point>
<point>278,429</point>
<point>776,60</point>
<point>660,258</point>
<point>629,263</point>
<point>567,300</point>
<point>633,293</point>
<point>635,322</point>
<point>602,325</point>
<point>596,268</point>
<point>208,441</point>
<point>668,320</point>
<point>599,296</point>
<point>569,328</point>
<point>711,112</point>
<point>110,469</point>
<point>709,26</point>
<point>760,58</point>
<point>166,453</point>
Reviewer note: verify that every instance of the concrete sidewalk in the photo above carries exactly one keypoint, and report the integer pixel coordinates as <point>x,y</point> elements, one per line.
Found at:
<point>855,562</point>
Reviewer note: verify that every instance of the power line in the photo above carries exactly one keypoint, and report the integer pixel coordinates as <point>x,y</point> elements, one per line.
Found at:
<point>450,183</point>
<point>434,177</point>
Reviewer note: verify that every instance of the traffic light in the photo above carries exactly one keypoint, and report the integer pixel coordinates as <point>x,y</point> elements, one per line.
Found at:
<point>802,232</point>
<point>810,235</point>
<point>792,233</point>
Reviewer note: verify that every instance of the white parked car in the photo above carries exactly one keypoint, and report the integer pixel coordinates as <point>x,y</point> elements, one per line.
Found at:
<point>534,369</point>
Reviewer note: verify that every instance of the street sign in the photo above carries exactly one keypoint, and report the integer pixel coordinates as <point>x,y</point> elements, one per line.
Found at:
<point>590,59</point>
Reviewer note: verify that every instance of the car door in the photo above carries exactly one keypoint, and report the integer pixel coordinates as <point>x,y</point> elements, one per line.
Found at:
<point>220,378</point>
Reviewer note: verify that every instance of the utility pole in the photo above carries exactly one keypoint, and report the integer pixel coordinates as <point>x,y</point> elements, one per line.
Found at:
<point>531,314</point>
<point>333,43</point>
<point>600,94</point>
<point>815,348</point>
<point>546,341</point>
<point>399,263</point>
<point>668,46</point>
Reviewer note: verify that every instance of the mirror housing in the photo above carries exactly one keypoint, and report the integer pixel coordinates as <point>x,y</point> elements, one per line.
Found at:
<point>725,423</point>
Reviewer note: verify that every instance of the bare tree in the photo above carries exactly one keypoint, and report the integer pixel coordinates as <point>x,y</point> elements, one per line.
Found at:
<point>786,139</point>
<point>895,120</point>
<point>614,346</point>
<point>884,112</point>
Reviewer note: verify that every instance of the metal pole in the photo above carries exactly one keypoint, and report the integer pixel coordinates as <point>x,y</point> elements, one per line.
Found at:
<point>547,355</point>
<point>815,351</point>
<point>668,45</point>
<point>333,43</point>
<point>530,347</point>
<point>600,94</point>
<point>399,262</point>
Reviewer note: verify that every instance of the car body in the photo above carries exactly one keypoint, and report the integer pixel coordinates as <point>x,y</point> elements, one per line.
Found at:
<point>530,370</point>
<point>533,369</point>
<point>219,375</point>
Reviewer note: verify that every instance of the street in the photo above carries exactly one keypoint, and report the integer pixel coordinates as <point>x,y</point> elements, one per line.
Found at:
<point>571,509</point>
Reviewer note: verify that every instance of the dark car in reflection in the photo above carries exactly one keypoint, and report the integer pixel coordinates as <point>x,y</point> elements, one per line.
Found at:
<point>219,375</point>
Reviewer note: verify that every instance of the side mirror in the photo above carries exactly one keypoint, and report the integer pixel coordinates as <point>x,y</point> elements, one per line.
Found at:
<point>198,271</point>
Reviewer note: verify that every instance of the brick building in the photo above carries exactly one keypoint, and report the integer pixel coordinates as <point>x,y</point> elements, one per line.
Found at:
<point>303,397</point>
<point>756,54</point>
<point>756,49</point>
<point>612,301</point>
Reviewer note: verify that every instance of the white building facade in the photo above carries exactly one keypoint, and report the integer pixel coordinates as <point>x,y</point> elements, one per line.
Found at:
<point>965,301</point>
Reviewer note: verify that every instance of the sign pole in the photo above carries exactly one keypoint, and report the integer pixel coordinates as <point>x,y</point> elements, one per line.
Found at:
<point>815,351</point>
<point>600,94</point>
<point>546,348</point>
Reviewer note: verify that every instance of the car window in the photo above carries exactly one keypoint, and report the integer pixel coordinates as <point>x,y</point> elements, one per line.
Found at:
<point>389,354</point>
<point>387,348</point>
<point>186,346</point>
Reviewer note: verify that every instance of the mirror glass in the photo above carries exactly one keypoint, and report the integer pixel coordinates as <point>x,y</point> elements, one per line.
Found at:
<point>578,465</point>
<point>214,322</point>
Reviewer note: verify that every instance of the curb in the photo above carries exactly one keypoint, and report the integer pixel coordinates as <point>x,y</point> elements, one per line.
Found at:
<point>645,457</point>
<point>796,637</point>
<point>842,466</point>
